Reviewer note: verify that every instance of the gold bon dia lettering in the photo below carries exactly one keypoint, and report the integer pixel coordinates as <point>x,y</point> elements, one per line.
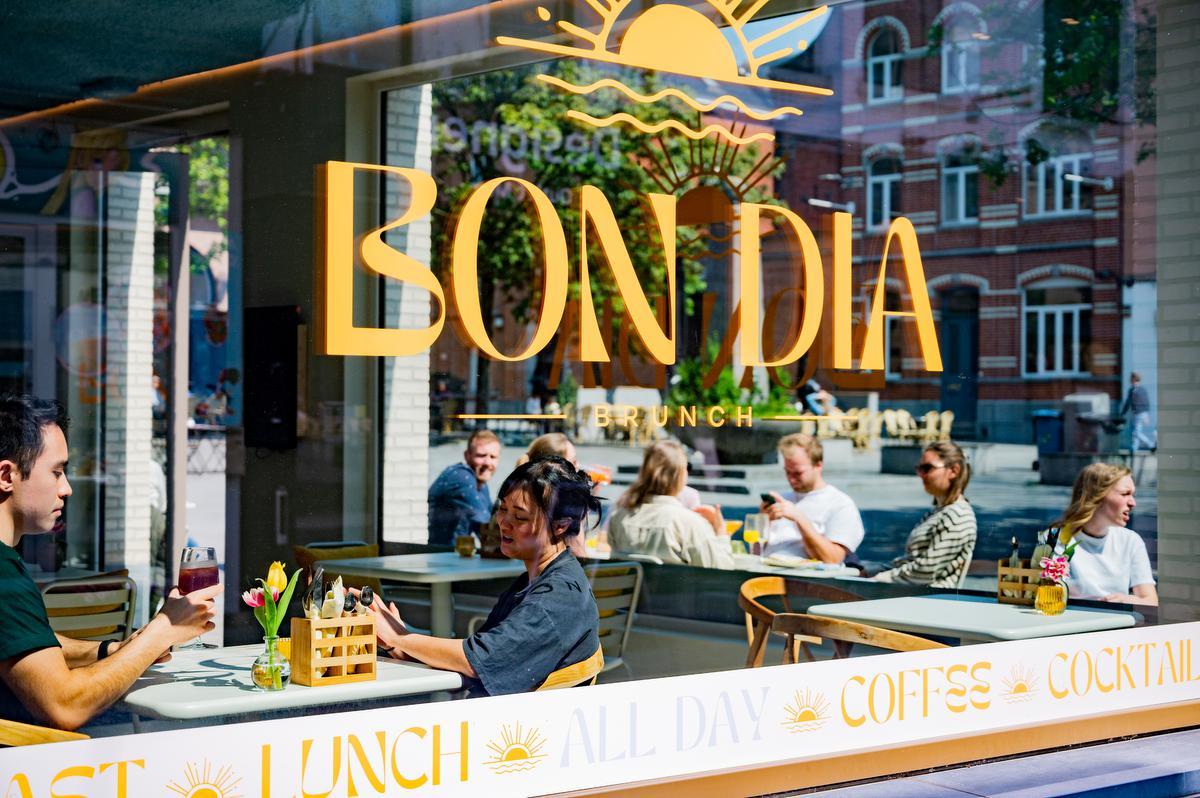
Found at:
<point>594,207</point>
<point>335,299</point>
<point>901,230</point>
<point>750,275</point>
<point>466,271</point>
<point>335,287</point>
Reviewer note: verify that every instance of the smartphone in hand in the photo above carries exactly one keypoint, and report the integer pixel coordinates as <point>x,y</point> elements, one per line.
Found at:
<point>767,499</point>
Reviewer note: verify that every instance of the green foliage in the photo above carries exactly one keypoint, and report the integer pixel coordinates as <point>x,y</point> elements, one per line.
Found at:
<point>687,388</point>
<point>568,389</point>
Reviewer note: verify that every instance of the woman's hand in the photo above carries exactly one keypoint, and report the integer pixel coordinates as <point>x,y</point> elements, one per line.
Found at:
<point>389,626</point>
<point>712,514</point>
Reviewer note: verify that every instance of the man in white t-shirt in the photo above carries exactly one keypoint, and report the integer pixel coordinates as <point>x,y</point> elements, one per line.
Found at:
<point>814,519</point>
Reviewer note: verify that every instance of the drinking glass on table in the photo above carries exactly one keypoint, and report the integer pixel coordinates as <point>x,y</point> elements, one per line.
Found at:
<point>754,532</point>
<point>197,570</point>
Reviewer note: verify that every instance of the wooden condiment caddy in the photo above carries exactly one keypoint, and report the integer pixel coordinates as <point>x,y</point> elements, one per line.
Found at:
<point>312,652</point>
<point>1022,582</point>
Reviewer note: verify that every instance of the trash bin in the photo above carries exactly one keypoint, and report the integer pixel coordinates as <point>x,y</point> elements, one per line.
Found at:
<point>1048,431</point>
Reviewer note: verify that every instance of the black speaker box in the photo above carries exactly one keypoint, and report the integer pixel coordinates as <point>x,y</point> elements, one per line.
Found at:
<point>270,353</point>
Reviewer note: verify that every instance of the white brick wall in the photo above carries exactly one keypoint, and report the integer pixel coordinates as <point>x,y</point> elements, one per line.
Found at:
<point>129,302</point>
<point>1178,309</point>
<point>408,142</point>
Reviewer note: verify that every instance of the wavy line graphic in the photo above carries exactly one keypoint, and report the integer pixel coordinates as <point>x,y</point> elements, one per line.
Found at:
<point>633,94</point>
<point>671,124</point>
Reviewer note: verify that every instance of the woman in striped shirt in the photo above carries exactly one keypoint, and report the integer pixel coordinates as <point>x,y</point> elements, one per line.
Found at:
<point>939,548</point>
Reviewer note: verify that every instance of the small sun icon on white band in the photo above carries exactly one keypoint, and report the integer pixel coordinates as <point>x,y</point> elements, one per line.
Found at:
<point>199,781</point>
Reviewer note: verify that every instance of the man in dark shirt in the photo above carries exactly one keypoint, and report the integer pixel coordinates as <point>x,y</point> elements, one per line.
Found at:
<point>1137,401</point>
<point>46,678</point>
<point>459,501</point>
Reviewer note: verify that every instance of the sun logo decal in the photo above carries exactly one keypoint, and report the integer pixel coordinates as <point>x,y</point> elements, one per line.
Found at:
<point>688,45</point>
<point>1019,686</point>
<point>514,752</point>
<point>808,712</point>
<point>201,782</point>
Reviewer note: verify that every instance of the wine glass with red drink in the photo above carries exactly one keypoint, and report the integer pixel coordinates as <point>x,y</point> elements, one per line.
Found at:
<point>198,570</point>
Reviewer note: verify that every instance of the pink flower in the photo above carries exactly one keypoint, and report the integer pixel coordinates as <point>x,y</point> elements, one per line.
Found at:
<point>254,597</point>
<point>1056,568</point>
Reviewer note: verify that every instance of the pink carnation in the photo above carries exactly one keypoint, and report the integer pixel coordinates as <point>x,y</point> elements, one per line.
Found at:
<point>1056,568</point>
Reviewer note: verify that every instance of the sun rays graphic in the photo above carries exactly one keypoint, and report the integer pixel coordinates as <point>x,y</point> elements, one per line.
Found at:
<point>200,782</point>
<point>677,40</point>
<point>1019,686</point>
<point>515,752</point>
<point>808,712</point>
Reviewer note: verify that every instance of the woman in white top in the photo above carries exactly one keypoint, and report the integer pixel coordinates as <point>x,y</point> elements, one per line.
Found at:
<point>1110,561</point>
<point>650,519</point>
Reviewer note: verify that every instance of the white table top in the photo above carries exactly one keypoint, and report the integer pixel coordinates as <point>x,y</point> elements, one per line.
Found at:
<point>972,617</point>
<point>428,568</point>
<point>216,683</point>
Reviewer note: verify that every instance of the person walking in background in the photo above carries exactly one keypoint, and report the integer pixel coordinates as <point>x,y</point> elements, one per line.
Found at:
<point>1137,401</point>
<point>940,547</point>
<point>1110,561</point>
<point>650,519</point>
<point>815,519</point>
<point>459,501</point>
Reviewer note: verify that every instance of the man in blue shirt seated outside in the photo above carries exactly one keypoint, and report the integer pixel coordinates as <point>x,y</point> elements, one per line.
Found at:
<point>459,501</point>
<point>46,678</point>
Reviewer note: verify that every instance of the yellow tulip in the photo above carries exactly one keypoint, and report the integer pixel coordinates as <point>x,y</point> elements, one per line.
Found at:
<point>276,579</point>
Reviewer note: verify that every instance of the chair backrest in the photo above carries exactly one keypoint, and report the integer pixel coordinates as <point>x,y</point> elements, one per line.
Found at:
<point>844,634</point>
<point>616,586</point>
<point>91,608</point>
<point>312,553</point>
<point>577,674</point>
<point>14,733</point>
<point>947,424</point>
<point>759,617</point>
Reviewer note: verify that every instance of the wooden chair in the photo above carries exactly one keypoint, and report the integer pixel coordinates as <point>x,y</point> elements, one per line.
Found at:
<point>844,635</point>
<point>91,608</point>
<point>616,586</point>
<point>577,674</point>
<point>14,733</point>
<point>945,425</point>
<point>308,555</point>
<point>760,617</point>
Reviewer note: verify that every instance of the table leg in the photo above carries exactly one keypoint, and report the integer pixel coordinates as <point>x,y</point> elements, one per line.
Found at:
<point>441,610</point>
<point>137,723</point>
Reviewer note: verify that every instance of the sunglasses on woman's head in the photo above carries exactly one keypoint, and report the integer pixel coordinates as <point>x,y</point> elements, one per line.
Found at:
<point>925,468</point>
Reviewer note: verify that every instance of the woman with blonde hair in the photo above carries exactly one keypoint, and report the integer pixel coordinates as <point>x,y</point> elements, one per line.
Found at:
<point>1110,560</point>
<point>552,444</point>
<point>650,519</point>
<point>940,547</point>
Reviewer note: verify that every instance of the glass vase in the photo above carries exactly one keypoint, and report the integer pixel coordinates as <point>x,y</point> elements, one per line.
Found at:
<point>1051,599</point>
<point>271,671</point>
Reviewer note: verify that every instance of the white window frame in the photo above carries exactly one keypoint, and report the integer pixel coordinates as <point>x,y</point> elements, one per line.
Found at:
<point>887,92</point>
<point>965,54</point>
<point>885,181</point>
<point>958,174</point>
<point>1057,316</point>
<point>1068,196</point>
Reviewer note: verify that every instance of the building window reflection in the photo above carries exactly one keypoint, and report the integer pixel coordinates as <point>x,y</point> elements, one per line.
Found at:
<point>883,192</point>
<point>1057,329</point>
<point>884,67</point>
<point>960,53</point>
<point>960,189</point>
